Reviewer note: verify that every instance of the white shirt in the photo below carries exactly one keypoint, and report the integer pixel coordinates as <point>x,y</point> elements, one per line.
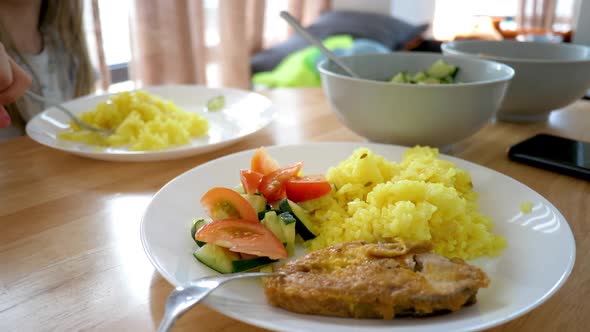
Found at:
<point>53,82</point>
<point>53,73</point>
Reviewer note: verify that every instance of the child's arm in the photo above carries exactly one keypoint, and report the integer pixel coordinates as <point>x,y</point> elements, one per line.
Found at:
<point>14,81</point>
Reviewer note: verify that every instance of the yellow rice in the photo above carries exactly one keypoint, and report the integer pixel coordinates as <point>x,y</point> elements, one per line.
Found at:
<point>526,207</point>
<point>421,198</point>
<point>142,121</point>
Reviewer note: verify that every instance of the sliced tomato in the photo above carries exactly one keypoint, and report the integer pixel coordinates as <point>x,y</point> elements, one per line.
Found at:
<point>243,236</point>
<point>250,180</point>
<point>303,188</point>
<point>272,186</point>
<point>247,256</point>
<point>263,163</point>
<point>224,203</point>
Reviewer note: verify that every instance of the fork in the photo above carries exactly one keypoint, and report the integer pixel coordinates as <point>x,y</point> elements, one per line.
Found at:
<point>184,297</point>
<point>69,113</point>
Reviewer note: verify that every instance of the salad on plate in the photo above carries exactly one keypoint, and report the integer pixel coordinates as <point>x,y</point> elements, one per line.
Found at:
<point>257,223</point>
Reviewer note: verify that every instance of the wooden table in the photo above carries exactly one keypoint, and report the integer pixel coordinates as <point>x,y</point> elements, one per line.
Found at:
<point>71,257</point>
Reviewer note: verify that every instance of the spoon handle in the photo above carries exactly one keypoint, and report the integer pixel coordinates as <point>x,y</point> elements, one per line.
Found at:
<point>312,40</point>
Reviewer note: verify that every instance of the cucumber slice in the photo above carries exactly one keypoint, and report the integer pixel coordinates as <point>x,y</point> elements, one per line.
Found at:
<point>267,268</point>
<point>239,189</point>
<point>419,77</point>
<point>303,224</point>
<point>258,202</point>
<point>401,77</point>
<point>447,80</point>
<point>249,264</point>
<point>274,224</point>
<point>430,80</point>
<point>261,215</point>
<point>287,218</point>
<point>289,223</point>
<point>439,72</point>
<point>216,103</point>
<point>197,224</point>
<point>268,209</point>
<point>441,69</point>
<point>218,258</point>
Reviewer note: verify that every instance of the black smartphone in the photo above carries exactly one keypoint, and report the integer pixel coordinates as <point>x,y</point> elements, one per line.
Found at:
<point>558,154</point>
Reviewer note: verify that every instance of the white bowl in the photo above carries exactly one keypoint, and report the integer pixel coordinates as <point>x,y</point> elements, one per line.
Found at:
<point>548,76</point>
<point>410,114</point>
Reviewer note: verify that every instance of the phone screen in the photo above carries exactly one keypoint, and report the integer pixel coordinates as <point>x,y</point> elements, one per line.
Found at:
<point>554,153</point>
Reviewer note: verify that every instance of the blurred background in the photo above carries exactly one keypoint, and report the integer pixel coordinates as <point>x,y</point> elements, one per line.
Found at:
<point>246,44</point>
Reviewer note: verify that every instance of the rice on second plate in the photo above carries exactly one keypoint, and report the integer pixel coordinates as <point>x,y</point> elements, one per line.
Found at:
<point>421,198</point>
<point>141,120</point>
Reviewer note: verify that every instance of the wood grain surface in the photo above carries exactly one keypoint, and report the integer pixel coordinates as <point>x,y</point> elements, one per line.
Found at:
<point>71,257</point>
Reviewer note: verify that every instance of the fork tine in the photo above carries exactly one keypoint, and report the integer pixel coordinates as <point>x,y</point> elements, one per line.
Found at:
<point>69,113</point>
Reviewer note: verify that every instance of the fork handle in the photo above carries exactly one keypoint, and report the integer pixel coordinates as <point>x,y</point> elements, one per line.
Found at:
<point>167,323</point>
<point>171,314</point>
<point>184,297</point>
<point>53,103</point>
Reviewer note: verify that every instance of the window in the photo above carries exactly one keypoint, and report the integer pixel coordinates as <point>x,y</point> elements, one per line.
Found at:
<point>116,39</point>
<point>453,17</point>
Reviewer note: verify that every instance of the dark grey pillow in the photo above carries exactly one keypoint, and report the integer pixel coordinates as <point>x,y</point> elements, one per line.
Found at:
<point>387,30</point>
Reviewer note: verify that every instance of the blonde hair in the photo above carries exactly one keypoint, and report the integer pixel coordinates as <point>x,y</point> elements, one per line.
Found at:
<point>64,19</point>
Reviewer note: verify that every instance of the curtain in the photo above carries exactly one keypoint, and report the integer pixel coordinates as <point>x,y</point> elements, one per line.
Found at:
<point>168,39</point>
<point>536,13</point>
<point>543,14</point>
<point>548,17</point>
<point>167,42</point>
<point>306,11</point>
<point>241,26</point>
<point>105,75</point>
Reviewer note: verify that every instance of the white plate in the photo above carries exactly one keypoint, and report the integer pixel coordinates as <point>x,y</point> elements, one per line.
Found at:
<point>244,114</point>
<point>539,257</point>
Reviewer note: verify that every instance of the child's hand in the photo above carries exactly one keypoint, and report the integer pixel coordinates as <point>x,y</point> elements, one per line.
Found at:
<point>4,118</point>
<point>14,81</point>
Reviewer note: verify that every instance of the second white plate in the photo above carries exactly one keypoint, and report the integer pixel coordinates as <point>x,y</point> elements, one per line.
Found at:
<point>244,114</point>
